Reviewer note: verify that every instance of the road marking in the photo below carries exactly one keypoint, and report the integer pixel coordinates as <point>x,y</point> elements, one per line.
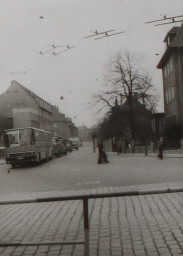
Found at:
<point>88,183</point>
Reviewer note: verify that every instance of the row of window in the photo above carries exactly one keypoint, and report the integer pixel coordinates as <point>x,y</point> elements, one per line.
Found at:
<point>168,67</point>
<point>169,94</point>
<point>45,126</point>
<point>42,136</point>
<point>43,104</point>
<point>161,123</point>
<point>45,114</point>
<point>27,136</point>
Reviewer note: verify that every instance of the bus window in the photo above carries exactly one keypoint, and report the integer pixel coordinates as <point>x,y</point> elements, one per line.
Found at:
<point>12,138</point>
<point>35,135</point>
<point>25,137</point>
<point>6,140</point>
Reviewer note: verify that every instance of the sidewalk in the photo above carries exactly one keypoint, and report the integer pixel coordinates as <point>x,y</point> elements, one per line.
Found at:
<point>166,154</point>
<point>2,161</point>
<point>149,225</point>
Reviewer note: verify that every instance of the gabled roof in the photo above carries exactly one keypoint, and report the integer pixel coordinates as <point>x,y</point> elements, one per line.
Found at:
<point>15,97</point>
<point>174,30</point>
<point>175,43</point>
<point>57,116</point>
<point>60,117</point>
<point>35,97</point>
<point>136,104</point>
<point>178,40</point>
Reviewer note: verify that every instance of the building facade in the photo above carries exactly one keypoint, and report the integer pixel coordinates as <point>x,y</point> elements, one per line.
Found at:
<point>158,126</point>
<point>63,126</point>
<point>171,64</point>
<point>84,133</point>
<point>20,107</point>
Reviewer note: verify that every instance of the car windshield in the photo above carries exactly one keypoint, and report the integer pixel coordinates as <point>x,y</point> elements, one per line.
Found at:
<point>18,138</point>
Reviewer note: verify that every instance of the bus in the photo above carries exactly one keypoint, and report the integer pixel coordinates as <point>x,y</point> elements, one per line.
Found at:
<point>27,145</point>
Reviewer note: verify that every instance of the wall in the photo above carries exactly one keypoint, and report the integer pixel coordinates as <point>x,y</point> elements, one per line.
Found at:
<point>5,123</point>
<point>61,129</point>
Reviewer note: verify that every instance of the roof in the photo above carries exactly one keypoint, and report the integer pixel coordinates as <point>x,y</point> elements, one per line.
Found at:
<point>25,128</point>
<point>15,97</point>
<point>174,30</point>
<point>60,117</point>
<point>57,116</point>
<point>136,105</point>
<point>46,106</point>
<point>176,42</point>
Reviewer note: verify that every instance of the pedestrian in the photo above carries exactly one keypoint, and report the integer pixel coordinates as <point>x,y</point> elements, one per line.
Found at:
<point>102,158</point>
<point>126,146</point>
<point>160,150</point>
<point>123,146</point>
<point>133,145</point>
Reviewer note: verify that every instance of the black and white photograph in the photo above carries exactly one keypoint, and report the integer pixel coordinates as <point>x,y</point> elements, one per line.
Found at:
<point>91,128</point>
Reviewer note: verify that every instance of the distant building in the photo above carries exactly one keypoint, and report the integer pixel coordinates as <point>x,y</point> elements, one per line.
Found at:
<point>158,125</point>
<point>84,133</point>
<point>63,126</point>
<point>126,122</point>
<point>141,118</point>
<point>171,64</point>
<point>20,107</point>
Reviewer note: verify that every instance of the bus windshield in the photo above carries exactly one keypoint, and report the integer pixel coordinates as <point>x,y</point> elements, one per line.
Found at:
<point>18,137</point>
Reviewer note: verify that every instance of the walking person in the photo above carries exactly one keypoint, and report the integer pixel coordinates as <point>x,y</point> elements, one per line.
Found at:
<point>133,145</point>
<point>102,158</point>
<point>126,146</point>
<point>160,152</point>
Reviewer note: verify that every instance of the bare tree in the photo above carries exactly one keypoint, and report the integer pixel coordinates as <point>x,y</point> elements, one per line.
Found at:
<point>125,80</point>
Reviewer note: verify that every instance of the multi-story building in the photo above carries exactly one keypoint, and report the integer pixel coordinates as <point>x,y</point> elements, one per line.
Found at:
<point>84,133</point>
<point>20,107</point>
<point>62,125</point>
<point>158,125</point>
<point>171,64</point>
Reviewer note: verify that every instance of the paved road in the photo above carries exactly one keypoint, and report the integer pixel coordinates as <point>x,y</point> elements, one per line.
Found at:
<point>150,225</point>
<point>79,170</point>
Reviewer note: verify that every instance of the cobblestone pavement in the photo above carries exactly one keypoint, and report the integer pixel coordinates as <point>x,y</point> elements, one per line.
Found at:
<point>149,225</point>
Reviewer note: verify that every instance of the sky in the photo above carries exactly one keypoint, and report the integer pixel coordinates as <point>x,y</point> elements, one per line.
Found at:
<point>33,26</point>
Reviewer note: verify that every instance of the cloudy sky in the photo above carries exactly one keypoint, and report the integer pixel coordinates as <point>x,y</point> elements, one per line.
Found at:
<point>28,27</point>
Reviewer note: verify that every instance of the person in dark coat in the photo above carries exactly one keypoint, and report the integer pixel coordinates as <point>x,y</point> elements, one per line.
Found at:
<point>160,152</point>
<point>102,158</point>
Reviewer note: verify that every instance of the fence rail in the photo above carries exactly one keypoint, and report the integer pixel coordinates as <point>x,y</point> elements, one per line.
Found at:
<point>85,199</point>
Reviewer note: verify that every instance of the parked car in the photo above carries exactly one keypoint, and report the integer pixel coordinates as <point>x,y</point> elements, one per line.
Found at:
<point>62,145</point>
<point>68,146</point>
<point>75,142</point>
<point>57,150</point>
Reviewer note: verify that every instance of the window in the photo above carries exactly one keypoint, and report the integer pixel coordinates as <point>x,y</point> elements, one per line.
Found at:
<point>171,64</point>
<point>14,138</point>
<point>172,92</point>
<point>153,125</point>
<point>166,97</point>
<point>169,95</point>
<point>165,72</point>
<point>168,67</point>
